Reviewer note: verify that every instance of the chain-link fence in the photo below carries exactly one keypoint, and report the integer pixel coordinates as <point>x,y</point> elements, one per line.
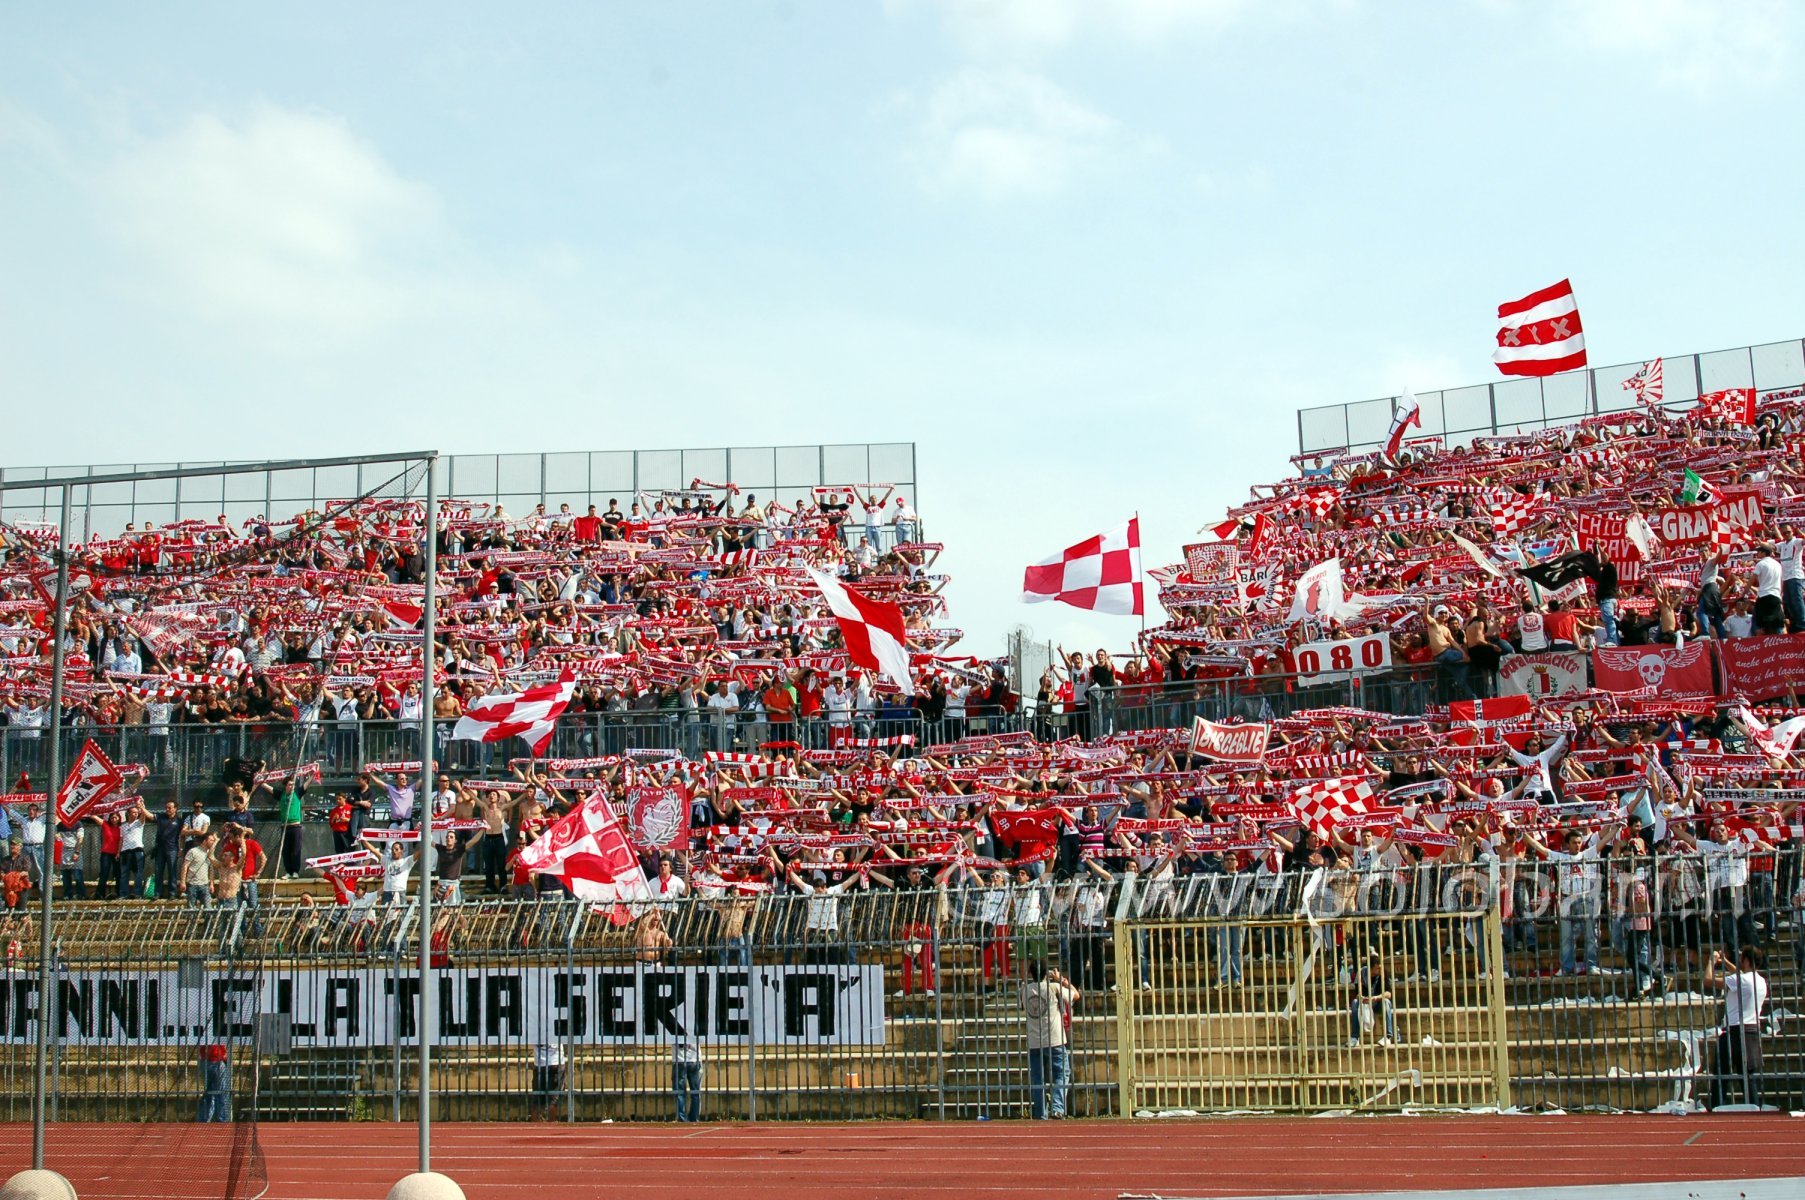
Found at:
<point>1302,990</point>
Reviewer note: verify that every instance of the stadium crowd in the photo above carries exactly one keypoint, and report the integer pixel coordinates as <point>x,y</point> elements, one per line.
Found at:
<point>1654,798</point>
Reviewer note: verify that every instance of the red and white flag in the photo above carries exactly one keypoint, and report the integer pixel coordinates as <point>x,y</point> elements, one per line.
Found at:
<point>1495,710</point>
<point>1406,414</point>
<point>529,714</point>
<point>1258,534</point>
<point>1512,512</point>
<point>658,817</point>
<point>1101,573</point>
<point>1541,334</point>
<point>873,630</point>
<point>1326,803</point>
<point>1724,535</point>
<point>1775,741</point>
<point>91,779</point>
<point>403,615</point>
<point>1647,384</point>
<point>1319,594</point>
<point>589,851</point>
<point>1735,405</point>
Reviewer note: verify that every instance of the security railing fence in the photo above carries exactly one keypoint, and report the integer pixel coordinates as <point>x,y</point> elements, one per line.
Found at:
<point>183,757</point>
<point>1311,989</point>
<point>516,481</point>
<point>1516,406</point>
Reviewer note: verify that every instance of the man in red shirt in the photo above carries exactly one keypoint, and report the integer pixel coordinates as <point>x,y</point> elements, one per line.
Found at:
<point>254,860</point>
<point>588,527</point>
<point>1564,628</point>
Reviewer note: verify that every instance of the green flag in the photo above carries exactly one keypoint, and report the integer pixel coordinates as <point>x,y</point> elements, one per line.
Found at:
<point>1696,490</point>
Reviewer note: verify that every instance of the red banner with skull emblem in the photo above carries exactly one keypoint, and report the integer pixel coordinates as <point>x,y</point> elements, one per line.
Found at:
<point>1659,670</point>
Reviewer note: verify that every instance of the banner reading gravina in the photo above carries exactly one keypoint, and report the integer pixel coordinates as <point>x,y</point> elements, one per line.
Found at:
<point>359,1007</point>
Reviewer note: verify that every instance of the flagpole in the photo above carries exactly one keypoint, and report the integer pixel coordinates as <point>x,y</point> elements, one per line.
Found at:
<point>52,785</point>
<point>423,809</point>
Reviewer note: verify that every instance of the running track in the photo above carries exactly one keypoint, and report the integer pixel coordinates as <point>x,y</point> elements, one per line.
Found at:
<point>917,1160</point>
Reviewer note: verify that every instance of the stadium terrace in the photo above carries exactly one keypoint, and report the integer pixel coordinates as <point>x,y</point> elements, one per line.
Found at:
<point>1433,741</point>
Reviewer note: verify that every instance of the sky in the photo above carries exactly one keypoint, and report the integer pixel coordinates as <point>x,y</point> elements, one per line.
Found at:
<point>1090,256</point>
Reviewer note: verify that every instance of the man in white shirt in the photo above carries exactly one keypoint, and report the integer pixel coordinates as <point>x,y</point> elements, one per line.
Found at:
<point>1045,998</point>
<point>1543,762</point>
<point>1740,623</point>
<point>905,521</point>
<point>1581,884</point>
<point>821,926</point>
<point>1790,550</point>
<point>1770,614</point>
<point>669,887</point>
<point>1739,1041</point>
<point>34,831</point>
<point>397,869</point>
<point>838,699</point>
<point>1727,880</point>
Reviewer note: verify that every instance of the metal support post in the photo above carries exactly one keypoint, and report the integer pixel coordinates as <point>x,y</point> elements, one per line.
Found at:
<point>429,530</point>
<point>53,782</point>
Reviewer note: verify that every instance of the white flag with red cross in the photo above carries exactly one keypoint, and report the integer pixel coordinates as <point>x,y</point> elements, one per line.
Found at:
<point>531,714</point>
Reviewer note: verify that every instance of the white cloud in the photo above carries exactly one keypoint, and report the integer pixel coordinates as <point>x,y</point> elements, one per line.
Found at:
<point>1006,27</point>
<point>1247,183</point>
<point>282,218</point>
<point>1693,44</point>
<point>999,134</point>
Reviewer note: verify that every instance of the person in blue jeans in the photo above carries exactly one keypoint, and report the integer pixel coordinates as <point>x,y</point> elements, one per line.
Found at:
<point>1047,997</point>
<point>216,1085</point>
<point>686,1079</point>
<point>1371,1004</point>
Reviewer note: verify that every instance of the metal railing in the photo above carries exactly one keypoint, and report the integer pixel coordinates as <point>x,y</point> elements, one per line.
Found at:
<point>1304,990</point>
<point>184,757</point>
<point>518,481</point>
<point>1524,405</point>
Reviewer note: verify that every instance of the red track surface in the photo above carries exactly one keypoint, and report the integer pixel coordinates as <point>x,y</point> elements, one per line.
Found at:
<point>1089,1159</point>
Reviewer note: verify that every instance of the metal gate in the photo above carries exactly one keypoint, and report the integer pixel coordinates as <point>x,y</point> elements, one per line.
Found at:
<point>1298,1014</point>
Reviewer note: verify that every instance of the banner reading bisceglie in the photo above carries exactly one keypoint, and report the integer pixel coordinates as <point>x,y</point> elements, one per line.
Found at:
<point>1229,743</point>
<point>821,1005</point>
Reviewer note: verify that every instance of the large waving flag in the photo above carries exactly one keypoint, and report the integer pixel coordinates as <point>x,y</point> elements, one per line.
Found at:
<point>1541,334</point>
<point>1101,573</point>
<point>873,630</point>
<point>1323,804</point>
<point>530,714</point>
<point>589,851</point>
<point>1406,414</point>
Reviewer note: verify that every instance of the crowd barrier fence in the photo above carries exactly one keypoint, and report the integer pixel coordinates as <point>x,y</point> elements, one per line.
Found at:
<point>1296,991</point>
<point>184,757</point>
